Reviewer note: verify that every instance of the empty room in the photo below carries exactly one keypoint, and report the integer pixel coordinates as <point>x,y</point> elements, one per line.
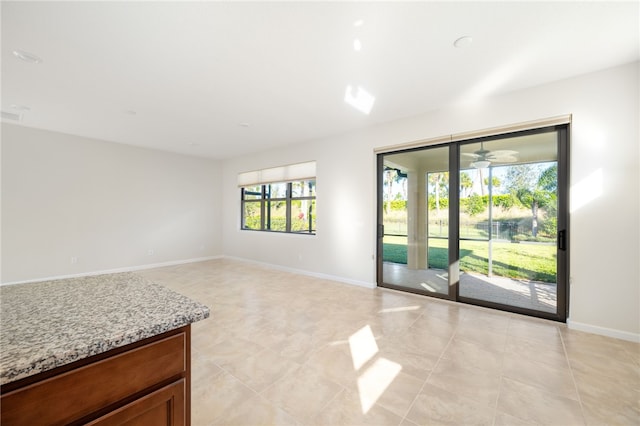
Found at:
<point>320,213</point>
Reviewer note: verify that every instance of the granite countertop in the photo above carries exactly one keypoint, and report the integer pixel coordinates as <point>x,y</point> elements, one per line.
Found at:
<point>47,324</point>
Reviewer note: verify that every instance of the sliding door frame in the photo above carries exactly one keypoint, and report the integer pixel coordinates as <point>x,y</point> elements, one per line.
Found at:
<point>563,222</point>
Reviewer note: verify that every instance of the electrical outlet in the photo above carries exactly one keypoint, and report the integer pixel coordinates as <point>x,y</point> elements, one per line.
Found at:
<point>74,260</point>
<point>150,252</point>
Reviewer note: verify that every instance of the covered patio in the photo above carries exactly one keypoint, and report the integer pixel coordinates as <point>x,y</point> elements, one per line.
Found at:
<point>522,293</point>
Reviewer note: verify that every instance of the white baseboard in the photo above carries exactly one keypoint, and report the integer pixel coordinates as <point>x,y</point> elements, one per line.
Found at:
<point>117,270</point>
<point>307,273</point>
<point>603,331</point>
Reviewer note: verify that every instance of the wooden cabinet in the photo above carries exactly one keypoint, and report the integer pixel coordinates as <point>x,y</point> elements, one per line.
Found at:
<point>162,407</point>
<point>145,383</point>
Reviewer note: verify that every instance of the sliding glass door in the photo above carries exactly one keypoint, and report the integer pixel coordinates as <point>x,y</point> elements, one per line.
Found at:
<point>479,221</point>
<point>415,220</point>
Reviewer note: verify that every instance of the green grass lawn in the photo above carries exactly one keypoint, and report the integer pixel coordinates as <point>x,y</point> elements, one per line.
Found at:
<point>527,261</point>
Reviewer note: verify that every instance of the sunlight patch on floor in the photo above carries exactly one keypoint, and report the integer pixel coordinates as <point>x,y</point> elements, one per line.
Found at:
<point>400,309</point>
<point>375,381</point>
<point>376,378</point>
<point>363,347</point>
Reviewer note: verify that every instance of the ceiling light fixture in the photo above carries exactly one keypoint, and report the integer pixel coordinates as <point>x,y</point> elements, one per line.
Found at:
<point>26,56</point>
<point>481,164</point>
<point>462,42</point>
<point>243,124</point>
<point>358,23</point>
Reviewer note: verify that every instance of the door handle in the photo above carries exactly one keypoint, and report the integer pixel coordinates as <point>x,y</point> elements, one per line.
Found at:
<point>562,240</point>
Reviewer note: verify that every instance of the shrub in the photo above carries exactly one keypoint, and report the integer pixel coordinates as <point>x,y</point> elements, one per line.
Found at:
<point>444,203</point>
<point>398,205</point>
<point>475,204</point>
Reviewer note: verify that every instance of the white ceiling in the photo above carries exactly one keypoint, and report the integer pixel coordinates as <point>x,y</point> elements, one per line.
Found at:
<point>183,76</point>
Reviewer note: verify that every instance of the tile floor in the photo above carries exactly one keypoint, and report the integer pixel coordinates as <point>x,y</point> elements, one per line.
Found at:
<point>281,348</point>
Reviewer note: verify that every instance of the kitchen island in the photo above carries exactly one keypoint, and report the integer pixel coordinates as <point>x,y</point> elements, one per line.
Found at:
<point>104,349</point>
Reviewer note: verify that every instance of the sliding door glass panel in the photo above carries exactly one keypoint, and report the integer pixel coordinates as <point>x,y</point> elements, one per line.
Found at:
<point>415,211</point>
<point>508,221</point>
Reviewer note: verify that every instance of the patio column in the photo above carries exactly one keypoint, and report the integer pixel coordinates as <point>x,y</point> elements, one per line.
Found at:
<point>416,219</point>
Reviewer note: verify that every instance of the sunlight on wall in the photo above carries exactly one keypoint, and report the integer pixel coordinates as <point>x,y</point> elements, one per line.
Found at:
<point>497,78</point>
<point>343,211</point>
<point>586,190</point>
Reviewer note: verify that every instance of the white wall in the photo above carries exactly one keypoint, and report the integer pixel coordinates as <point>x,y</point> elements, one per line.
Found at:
<point>106,204</point>
<point>605,232</point>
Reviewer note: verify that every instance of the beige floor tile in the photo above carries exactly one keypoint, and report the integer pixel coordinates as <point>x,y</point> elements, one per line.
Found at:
<point>598,412</point>
<point>347,409</point>
<point>256,411</point>
<point>392,322</point>
<point>232,349</point>
<point>474,356</point>
<point>556,381</point>
<point>208,335</point>
<point>416,363</point>
<point>216,399</point>
<point>578,343</point>
<point>542,331</point>
<point>608,400</point>
<point>443,310</point>
<point>382,383</point>
<point>465,381</point>
<point>485,319</point>
<point>435,326</point>
<point>535,350</point>
<point>296,347</point>
<point>502,419</point>
<point>302,393</point>
<point>606,388</point>
<point>618,366</point>
<point>436,406</point>
<point>318,350</point>
<point>337,363</point>
<point>492,340</point>
<point>268,335</point>
<point>203,368</point>
<point>537,405</point>
<point>261,369</point>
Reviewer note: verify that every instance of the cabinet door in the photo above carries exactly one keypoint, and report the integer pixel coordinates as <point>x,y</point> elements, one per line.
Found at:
<point>166,406</point>
<point>78,393</point>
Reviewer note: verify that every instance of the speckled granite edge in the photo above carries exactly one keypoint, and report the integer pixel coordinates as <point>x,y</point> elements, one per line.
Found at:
<point>48,324</point>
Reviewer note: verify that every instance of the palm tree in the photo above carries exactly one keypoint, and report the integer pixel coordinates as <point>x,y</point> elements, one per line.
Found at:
<point>440,182</point>
<point>465,184</point>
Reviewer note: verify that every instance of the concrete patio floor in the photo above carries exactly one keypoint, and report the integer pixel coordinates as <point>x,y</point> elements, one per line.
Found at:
<point>534,295</point>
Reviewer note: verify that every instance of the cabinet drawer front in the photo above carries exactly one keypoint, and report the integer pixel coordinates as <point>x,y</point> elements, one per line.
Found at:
<point>164,407</point>
<point>78,393</point>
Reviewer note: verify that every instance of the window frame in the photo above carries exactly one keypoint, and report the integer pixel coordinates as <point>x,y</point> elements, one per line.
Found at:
<point>265,201</point>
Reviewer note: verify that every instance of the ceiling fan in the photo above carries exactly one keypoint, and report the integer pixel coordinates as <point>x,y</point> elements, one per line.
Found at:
<point>483,158</point>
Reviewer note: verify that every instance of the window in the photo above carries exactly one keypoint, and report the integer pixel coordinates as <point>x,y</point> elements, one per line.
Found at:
<point>280,207</point>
